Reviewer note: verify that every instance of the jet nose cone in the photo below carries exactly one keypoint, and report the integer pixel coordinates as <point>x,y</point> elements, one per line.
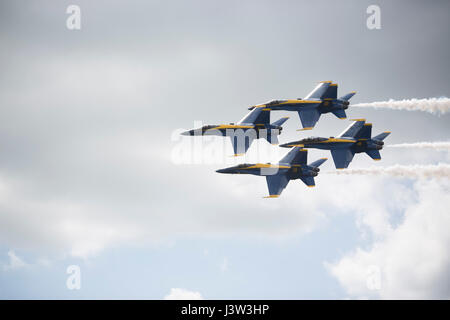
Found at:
<point>226,170</point>
<point>187,133</point>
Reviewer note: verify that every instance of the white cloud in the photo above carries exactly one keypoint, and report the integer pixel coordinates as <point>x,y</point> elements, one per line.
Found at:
<point>413,257</point>
<point>14,261</point>
<point>183,294</point>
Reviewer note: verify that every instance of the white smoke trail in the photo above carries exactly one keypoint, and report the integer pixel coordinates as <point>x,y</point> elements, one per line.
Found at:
<point>423,145</point>
<point>432,105</point>
<point>439,171</point>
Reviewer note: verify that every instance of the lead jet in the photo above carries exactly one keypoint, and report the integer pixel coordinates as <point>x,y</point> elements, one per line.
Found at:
<point>323,99</point>
<point>292,166</point>
<point>256,124</point>
<point>356,138</point>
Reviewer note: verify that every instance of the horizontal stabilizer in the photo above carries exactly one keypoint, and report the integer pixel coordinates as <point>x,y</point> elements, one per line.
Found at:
<point>340,113</point>
<point>348,96</point>
<point>276,184</point>
<point>309,181</point>
<point>280,122</point>
<point>309,117</point>
<point>342,157</point>
<point>374,154</point>
<point>317,163</point>
<point>382,136</point>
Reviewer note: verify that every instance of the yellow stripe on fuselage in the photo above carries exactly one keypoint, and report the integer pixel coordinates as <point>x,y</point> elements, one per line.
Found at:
<point>335,140</point>
<point>287,102</point>
<point>230,126</point>
<point>266,165</point>
<point>299,101</point>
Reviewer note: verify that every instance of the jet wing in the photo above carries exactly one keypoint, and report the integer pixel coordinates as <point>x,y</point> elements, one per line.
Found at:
<point>309,117</point>
<point>241,143</point>
<point>309,181</point>
<point>374,154</point>
<point>276,184</point>
<point>342,157</point>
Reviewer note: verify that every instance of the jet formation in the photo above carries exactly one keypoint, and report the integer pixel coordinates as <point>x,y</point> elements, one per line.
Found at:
<point>357,138</point>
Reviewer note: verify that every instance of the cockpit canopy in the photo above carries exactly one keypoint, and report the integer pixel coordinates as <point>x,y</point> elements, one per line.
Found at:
<point>243,165</point>
<point>207,127</point>
<point>313,139</point>
<point>274,102</point>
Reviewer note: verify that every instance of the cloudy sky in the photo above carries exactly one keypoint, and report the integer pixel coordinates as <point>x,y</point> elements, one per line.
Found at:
<point>90,174</point>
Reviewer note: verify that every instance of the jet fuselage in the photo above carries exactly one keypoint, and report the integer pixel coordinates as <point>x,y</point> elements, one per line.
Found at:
<point>266,169</point>
<point>357,146</point>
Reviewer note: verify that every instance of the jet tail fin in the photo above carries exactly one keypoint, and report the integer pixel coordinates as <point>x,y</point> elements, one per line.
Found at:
<point>348,96</point>
<point>317,163</point>
<point>382,136</point>
<point>353,129</point>
<point>331,92</point>
<point>319,90</point>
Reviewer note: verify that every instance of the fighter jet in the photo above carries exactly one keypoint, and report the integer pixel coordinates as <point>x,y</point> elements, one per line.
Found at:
<point>256,124</point>
<point>323,99</point>
<point>292,166</point>
<point>356,138</point>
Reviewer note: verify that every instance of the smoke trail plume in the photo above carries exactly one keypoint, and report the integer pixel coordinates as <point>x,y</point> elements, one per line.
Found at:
<point>423,145</point>
<point>432,105</point>
<point>439,171</point>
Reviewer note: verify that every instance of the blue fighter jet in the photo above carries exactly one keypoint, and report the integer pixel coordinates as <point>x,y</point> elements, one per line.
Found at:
<point>323,99</point>
<point>292,166</point>
<point>356,138</point>
<point>256,124</point>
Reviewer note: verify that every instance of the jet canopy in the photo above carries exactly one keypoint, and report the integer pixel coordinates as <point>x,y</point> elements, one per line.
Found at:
<point>272,102</point>
<point>313,139</point>
<point>243,165</point>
